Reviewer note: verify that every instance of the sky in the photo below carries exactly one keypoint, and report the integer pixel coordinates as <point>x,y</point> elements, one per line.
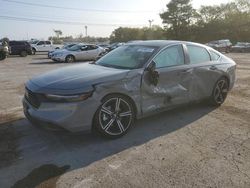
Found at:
<point>100,16</point>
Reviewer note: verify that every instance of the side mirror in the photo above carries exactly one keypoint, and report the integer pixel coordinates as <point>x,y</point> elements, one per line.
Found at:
<point>153,74</point>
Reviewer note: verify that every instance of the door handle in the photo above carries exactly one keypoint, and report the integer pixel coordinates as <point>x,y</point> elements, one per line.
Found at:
<point>213,67</point>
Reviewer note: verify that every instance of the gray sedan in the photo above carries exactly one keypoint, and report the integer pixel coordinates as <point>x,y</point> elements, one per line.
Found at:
<point>131,82</point>
<point>78,52</point>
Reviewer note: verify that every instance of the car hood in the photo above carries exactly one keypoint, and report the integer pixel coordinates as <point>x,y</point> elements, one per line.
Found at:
<point>56,51</point>
<point>74,79</point>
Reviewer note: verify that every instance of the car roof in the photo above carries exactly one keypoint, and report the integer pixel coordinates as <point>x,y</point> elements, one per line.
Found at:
<point>162,43</point>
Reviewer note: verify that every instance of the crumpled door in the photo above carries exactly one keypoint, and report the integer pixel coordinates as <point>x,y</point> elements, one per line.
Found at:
<point>173,88</point>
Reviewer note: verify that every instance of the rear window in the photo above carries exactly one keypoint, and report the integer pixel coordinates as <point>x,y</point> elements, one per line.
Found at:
<point>198,54</point>
<point>214,55</point>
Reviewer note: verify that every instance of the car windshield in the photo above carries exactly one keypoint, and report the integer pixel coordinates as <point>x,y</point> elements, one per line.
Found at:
<point>127,57</point>
<point>75,47</point>
<point>67,46</point>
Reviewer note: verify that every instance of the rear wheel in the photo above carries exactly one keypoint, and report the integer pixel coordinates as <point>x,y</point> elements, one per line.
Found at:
<point>33,51</point>
<point>220,92</point>
<point>69,59</point>
<point>23,54</point>
<point>114,117</point>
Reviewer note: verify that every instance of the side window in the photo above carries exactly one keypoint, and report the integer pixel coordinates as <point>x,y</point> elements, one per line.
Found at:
<point>198,54</point>
<point>92,47</point>
<point>11,43</point>
<point>48,42</point>
<point>171,56</point>
<point>40,43</point>
<point>20,43</point>
<point>214,55</point>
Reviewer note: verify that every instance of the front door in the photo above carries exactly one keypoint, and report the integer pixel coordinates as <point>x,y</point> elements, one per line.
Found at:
<point>174,81</point>
<point>41,46</point>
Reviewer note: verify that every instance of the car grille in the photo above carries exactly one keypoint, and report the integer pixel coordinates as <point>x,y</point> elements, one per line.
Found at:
<point>32,98</point>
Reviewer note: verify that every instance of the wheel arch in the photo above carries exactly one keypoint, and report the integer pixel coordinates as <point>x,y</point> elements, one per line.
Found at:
<point>226,77</point>
<point>70,55</point>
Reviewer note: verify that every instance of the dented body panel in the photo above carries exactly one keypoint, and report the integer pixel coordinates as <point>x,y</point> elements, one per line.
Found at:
<point>176,85</point>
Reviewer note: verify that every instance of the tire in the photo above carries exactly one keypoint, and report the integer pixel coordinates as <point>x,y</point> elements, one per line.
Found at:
<point>114,117</point>
<point>70,59</point>
<point>2,56</point>
<point>220,92</point>
<point>23,54</point>
<point>33,51</point>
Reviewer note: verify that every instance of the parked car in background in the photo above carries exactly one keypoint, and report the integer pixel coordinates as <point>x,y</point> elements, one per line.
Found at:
<point>78,52</point>
<point>241,47</point>
<point>4,51</point>
<point>103,45</point>
<point>133,81</point>
<point>65,47</point>
<point>114,46</point>
<point>21,48</point>
<point>221,45</point>
<point>42,46</point>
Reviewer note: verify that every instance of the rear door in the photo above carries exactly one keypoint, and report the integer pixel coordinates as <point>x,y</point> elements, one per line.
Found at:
<point>173,86</point>
<point>205,71</point>
<point>48,46</point>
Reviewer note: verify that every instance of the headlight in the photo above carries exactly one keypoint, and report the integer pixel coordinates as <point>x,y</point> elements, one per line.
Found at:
<point>68,98</point>
<point>58,55</point>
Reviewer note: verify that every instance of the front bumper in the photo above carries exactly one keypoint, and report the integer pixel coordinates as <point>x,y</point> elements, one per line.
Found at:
<point>61,59</point>
<point>73,117</point>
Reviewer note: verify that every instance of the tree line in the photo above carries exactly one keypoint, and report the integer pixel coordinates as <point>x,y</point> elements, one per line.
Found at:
<point>182,22</point>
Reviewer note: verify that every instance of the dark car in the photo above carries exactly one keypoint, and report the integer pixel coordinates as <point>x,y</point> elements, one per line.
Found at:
<point>221,45</point>
<point>129,83</point>
<point>21,48</point>
<point>241,47</point>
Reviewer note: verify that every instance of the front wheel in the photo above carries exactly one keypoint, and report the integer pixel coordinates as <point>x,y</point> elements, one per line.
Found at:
<point>69,59</point>
<point>23,54</point>
<point>33,51</point>
<point>220,92</point>
<point>114,117</point>
<point>2,56</point>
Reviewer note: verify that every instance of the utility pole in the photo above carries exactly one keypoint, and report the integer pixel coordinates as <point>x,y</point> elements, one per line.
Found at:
<point>86,31</point>
<point>150,23</point>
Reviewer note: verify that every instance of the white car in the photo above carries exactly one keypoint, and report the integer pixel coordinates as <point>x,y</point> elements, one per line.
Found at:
<point>78,52</point>
<point>64,47</point>
<point>42,46</point>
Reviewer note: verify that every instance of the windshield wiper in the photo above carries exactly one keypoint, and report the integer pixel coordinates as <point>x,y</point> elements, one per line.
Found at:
<point>114,66</point>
